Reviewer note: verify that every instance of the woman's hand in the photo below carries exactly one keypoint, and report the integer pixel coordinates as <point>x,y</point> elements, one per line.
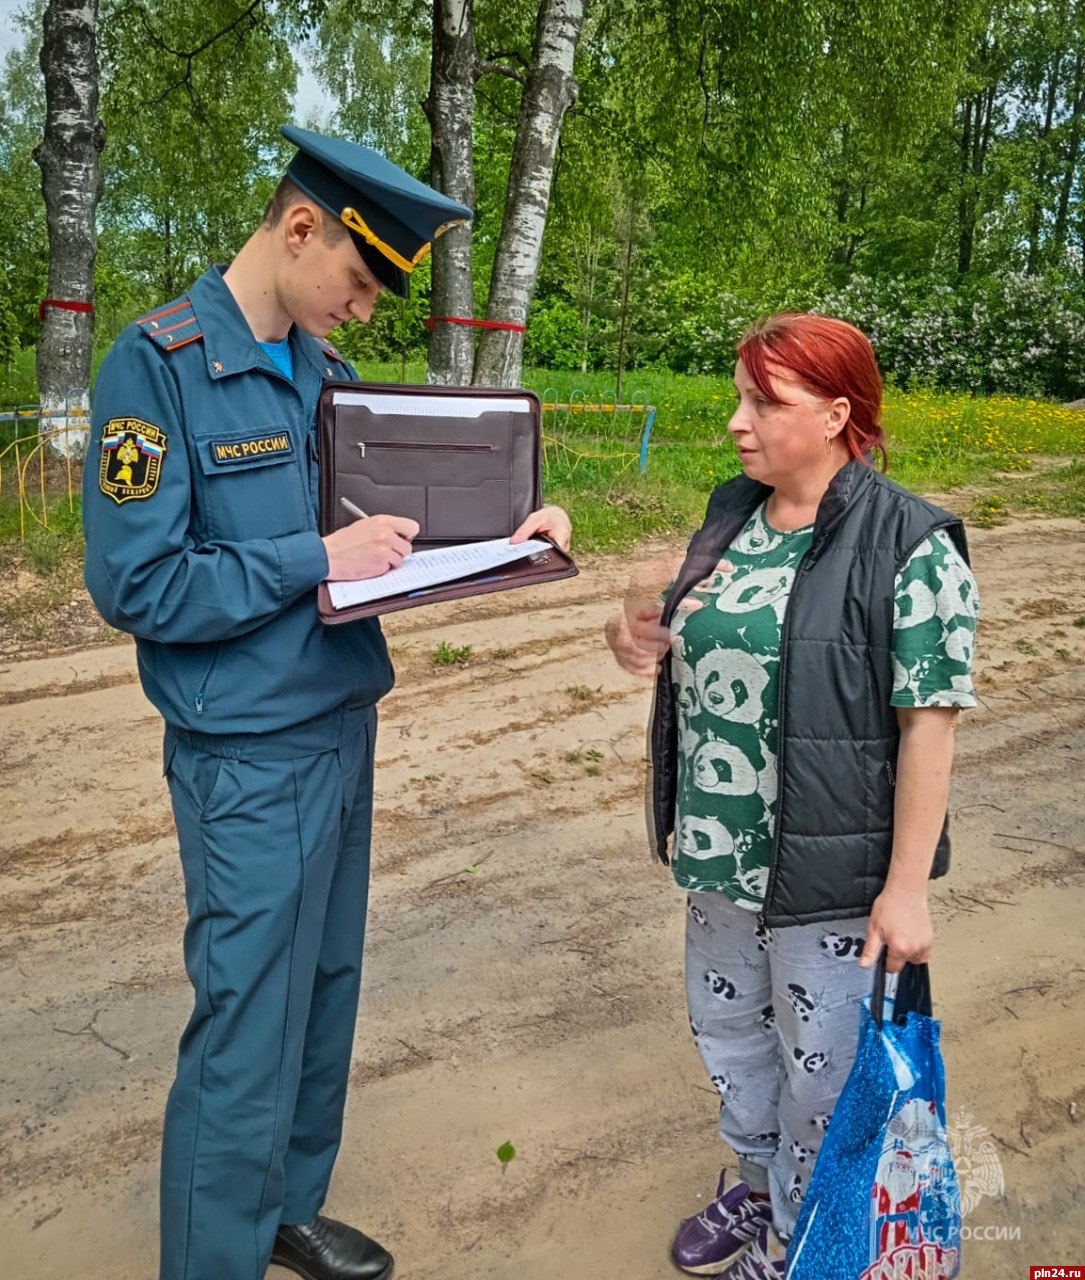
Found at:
<point>637,640</point>
<point>634,634</point>
<point>552,521</point>
<point>899,920</point>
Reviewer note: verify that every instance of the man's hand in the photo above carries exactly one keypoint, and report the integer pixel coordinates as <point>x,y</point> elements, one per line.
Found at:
<point>367,548</point>
<point>552,521</point>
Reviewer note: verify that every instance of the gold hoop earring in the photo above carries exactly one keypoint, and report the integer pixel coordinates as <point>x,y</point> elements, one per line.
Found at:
<point>829,444</point>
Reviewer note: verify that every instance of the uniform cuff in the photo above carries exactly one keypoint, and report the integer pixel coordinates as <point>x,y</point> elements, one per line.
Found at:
<point>303,563</point>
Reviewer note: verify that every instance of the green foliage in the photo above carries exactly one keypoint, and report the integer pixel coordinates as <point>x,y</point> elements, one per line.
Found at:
<point>742,101</point>
<point>18,382</point>
<point>779,151</point>
<point>9,330</point>
<point>192,147</point>
<point>376,63</point>
<point>554,338</point>
<point>1014,334</point>
<point>23,262</point>
<point>913,165</point>
<point>506,1153</point>
<point>191,153</point>
<point>396,331</point>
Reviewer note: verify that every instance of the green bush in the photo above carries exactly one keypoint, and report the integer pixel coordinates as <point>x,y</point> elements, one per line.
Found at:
<point>554,334</point>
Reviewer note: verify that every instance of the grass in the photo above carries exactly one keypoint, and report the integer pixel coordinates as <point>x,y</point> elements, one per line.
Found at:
<point>938,442</point>
<point>448,655</point>
<point>989,511</point>
<point>52,553</point>
<point>1057,491</point>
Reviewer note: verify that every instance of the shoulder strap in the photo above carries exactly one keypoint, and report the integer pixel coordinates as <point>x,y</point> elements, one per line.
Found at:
<point>330,353</point>
<point>171,327</point>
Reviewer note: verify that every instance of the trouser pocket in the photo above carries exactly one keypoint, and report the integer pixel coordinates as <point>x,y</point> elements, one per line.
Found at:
<point>193,775</point>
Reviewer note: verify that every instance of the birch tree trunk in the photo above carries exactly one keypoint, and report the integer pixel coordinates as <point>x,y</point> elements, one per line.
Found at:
<point>450,109</point>
<point>71,185</point>
<point>548,93</point>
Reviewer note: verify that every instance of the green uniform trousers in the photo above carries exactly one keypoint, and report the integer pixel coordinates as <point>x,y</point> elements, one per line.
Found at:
<point>274,833</point>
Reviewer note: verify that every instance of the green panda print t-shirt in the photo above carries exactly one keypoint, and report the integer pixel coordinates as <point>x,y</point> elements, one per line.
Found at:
<point>725,670</point>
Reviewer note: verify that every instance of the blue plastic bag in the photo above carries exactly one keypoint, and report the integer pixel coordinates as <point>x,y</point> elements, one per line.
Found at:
<point>884,1202</point>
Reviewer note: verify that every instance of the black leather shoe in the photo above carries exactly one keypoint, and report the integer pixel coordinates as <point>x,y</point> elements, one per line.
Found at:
<point>328,1250</point>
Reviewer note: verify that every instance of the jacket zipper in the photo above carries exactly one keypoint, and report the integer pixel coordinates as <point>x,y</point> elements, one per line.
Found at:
<point>311,476</point>
<point>442,447</point>
<point>781,704</point>
<point>202,692</point>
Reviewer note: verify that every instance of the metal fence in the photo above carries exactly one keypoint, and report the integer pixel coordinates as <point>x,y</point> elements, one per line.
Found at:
<point>573,429</point>
<point>41,461</point>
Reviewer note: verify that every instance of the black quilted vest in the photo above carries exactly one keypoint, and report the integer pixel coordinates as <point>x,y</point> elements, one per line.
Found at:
<point>838,733</point>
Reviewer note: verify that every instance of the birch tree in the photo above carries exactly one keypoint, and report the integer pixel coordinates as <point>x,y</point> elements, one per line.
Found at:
<point>450,109</point>
<point>548,92</point>
<point>71,184</point>
<point>456,66</point>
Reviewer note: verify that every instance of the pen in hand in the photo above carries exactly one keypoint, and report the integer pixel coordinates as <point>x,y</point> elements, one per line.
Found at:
<point>357,512</point>
<point>367,546</point>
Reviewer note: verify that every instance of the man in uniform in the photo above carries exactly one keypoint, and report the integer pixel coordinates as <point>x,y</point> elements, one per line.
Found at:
<point>200,511</point>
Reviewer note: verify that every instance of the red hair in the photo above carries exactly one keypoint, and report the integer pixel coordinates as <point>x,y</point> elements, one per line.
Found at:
<point>828,358</point>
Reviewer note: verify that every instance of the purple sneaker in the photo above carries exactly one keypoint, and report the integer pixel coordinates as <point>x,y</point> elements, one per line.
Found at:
<point>708,1243</point>
<point>765,1259</point>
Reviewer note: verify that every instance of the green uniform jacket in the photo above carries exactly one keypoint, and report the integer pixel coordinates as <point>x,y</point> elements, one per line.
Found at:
<point>200,513</point>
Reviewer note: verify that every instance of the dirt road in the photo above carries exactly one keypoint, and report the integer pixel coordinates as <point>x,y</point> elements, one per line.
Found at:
<point>523,968</point>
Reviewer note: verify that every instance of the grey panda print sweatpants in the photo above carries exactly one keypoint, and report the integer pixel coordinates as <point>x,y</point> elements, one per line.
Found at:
<point>775,1017</point>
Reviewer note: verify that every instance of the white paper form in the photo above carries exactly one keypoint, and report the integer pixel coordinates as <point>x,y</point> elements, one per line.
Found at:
<point>423,569</point>
<point>465,406</point>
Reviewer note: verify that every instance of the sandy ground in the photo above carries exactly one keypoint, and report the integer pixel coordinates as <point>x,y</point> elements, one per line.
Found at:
<point>523,969</point>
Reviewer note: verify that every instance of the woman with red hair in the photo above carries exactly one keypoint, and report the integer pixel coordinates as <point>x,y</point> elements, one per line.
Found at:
<point>810,658</point>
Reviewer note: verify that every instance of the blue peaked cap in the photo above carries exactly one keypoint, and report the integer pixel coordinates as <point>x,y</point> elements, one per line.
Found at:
<point>392,217</point>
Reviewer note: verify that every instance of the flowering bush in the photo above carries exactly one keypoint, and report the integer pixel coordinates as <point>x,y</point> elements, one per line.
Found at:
<point>1014,334</point>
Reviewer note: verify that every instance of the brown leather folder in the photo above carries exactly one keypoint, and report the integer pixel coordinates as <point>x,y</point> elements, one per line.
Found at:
<point>465,462</point>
